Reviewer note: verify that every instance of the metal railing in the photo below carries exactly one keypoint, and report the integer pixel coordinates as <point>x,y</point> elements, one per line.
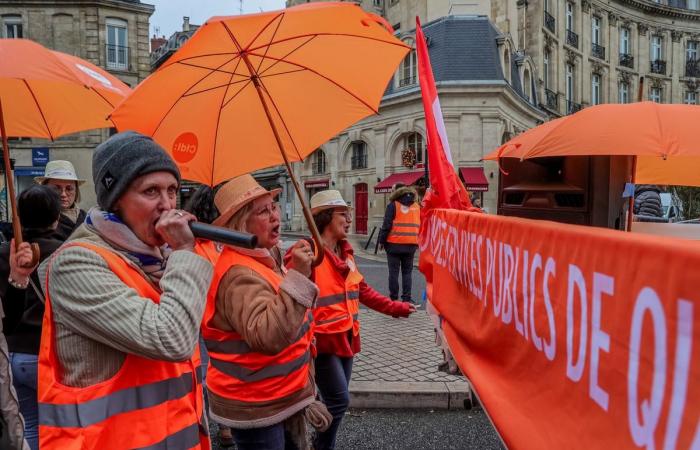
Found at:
<point>572,107</point>
<point>598,51</point>
<point>692,68</point>
<point>358,162</point>
<point>550,22</point>
<point>552,100</point>
<point>572,38</point>
<point>658,66</point>
<point>627,60</point>
<point>117,57</point>
<point>407,81</point>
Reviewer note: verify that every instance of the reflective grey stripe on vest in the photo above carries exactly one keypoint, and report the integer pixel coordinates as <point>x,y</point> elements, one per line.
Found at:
<point>130,399</point>
<point>180,440</point>
<point>355,317</point>
<point>334,299</point>
<point>241,347</point>
<point>410,225</point>
<point>335,319</point>
<point>393,233</point>
<point>250,375</point>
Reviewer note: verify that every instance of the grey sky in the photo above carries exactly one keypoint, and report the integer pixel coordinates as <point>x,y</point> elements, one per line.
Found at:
<point>168,15</point>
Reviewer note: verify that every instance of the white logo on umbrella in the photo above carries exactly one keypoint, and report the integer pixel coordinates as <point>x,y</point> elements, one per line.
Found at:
<point>97,76</point>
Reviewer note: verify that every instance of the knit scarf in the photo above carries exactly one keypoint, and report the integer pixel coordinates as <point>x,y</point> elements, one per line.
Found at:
<point>108,226</point>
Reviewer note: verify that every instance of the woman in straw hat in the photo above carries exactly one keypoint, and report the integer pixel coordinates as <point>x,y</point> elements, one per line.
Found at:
<point>336,323</point>
<point>257,328</point>
<point>61,176</point>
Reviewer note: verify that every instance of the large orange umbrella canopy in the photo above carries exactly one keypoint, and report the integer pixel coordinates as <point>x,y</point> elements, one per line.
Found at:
<point>635,129</point>
<point>321,68</point>
<point>47,94</point>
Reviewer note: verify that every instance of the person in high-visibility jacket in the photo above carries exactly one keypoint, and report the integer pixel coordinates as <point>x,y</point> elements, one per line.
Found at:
<point>118,361</point>
<point>257,328</point>
<point>399,237</point>
<point>336,323</point>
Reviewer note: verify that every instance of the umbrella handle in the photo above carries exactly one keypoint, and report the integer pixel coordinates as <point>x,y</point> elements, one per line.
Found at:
<point>36,253</point>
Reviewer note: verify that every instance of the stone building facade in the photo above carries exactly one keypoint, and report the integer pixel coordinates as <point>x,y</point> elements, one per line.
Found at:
<point>487,93</point>
<point>113,34</point>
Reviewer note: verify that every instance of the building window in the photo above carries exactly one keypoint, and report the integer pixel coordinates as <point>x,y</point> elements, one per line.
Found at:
<point>624,41</point>
<point>527,89</point>
<point>117,45</point>
<point>624,92</point>
<point>569,16</point>
<point>408,73</point>
<point>414,141</point>
<point>595,30</point>
<point>359,155</point>
<point>655,94</point>
<point>595,89</point>
<point>378,3</point>
<point>656,48</point>
<point>691,51</point>
<point>319,162</point>
<point>693,4</point>
<point>691,98</point>
<point>569,83</point>
<point>545,74</point>
<point>13,27</point>
<point>506,65</point>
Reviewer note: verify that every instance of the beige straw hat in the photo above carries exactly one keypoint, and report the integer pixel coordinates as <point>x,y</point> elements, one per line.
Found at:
<point>59,170</point>
<point>326,200</point>
<point>235,194</point>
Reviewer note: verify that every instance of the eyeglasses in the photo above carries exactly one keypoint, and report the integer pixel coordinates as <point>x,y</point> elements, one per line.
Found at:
<point>268,211</point>
<point>68,189</point>
<point>345,214</point>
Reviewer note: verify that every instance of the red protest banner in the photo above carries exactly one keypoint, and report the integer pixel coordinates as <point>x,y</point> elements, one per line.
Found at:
<point>573,337</point>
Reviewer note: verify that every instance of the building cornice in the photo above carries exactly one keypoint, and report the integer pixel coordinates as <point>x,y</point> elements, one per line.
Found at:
<point>663,10</point>
<point>116,4</point>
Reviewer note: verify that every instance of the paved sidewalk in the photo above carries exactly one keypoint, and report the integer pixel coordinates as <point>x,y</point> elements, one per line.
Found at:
<point>397,367</point>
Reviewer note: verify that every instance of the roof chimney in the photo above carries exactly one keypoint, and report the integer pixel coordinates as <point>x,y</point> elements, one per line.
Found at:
<point>185,23</point>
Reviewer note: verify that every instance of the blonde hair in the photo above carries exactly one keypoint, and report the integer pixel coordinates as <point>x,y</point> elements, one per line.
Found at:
<point>237,222</point>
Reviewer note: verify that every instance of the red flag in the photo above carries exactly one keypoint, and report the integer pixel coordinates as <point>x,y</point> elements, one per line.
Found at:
<point>446,191</point>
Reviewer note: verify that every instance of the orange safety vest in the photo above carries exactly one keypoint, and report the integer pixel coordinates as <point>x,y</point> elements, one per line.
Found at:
<point>208,250</point>
<point>406,224</point>
<point>238,372</point>
<point>146,404</point>
<point>338,302</point>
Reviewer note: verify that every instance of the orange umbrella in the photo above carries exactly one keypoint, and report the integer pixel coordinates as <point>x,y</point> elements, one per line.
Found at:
<point>47,94</point>
<point>253,91</point>
<point>674,170</point>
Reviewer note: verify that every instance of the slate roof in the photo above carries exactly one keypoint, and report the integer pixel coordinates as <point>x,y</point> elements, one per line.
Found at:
<point>464,48</point>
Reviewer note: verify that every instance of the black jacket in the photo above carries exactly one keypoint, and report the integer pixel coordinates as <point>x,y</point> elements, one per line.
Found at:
<point>66,226</point>
<point>647,200</point>
<point>24,311</point>
<point>407,196</point>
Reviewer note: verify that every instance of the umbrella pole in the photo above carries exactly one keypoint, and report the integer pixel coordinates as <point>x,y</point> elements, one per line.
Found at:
<point>630,209</point>
<point>9,179</point>
<point>305,208</point>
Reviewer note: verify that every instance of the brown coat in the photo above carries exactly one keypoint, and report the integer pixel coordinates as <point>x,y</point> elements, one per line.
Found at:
<point>268,323</point>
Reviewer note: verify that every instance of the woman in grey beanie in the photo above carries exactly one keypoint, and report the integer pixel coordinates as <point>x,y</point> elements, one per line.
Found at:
<point>125,298</point>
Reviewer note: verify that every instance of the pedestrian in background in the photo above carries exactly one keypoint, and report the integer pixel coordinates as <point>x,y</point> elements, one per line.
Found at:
<point>61,176</point>
<point>23,302</point>
<point>399,237</point>
<point>257,328</point>
<point>336,315</point>
<point>124,300</point>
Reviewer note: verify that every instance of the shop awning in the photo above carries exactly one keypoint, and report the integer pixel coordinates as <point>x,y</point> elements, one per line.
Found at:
<point>407,178</point>
<point>474,178</point>
<point>312,184</point>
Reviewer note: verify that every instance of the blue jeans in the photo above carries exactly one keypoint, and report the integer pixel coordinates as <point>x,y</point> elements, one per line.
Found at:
<point>332,379</point>
<point>273,437</point>
<point>24,378</point>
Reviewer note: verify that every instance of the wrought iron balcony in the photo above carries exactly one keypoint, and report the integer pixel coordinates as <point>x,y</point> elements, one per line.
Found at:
<point>692,68</point>
<point>572,107</point>
<point>572,38</point>
<point>658,66</point>
<point>358,162</point>
<point>409,81</point>
<point>117,57</point>
<point>550,22</point>
<point>552,100</point>
<point>627,60</point>
<point>598,51</point>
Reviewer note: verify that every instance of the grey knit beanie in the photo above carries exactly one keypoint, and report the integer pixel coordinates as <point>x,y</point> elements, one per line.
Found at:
<point>121,159</point>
